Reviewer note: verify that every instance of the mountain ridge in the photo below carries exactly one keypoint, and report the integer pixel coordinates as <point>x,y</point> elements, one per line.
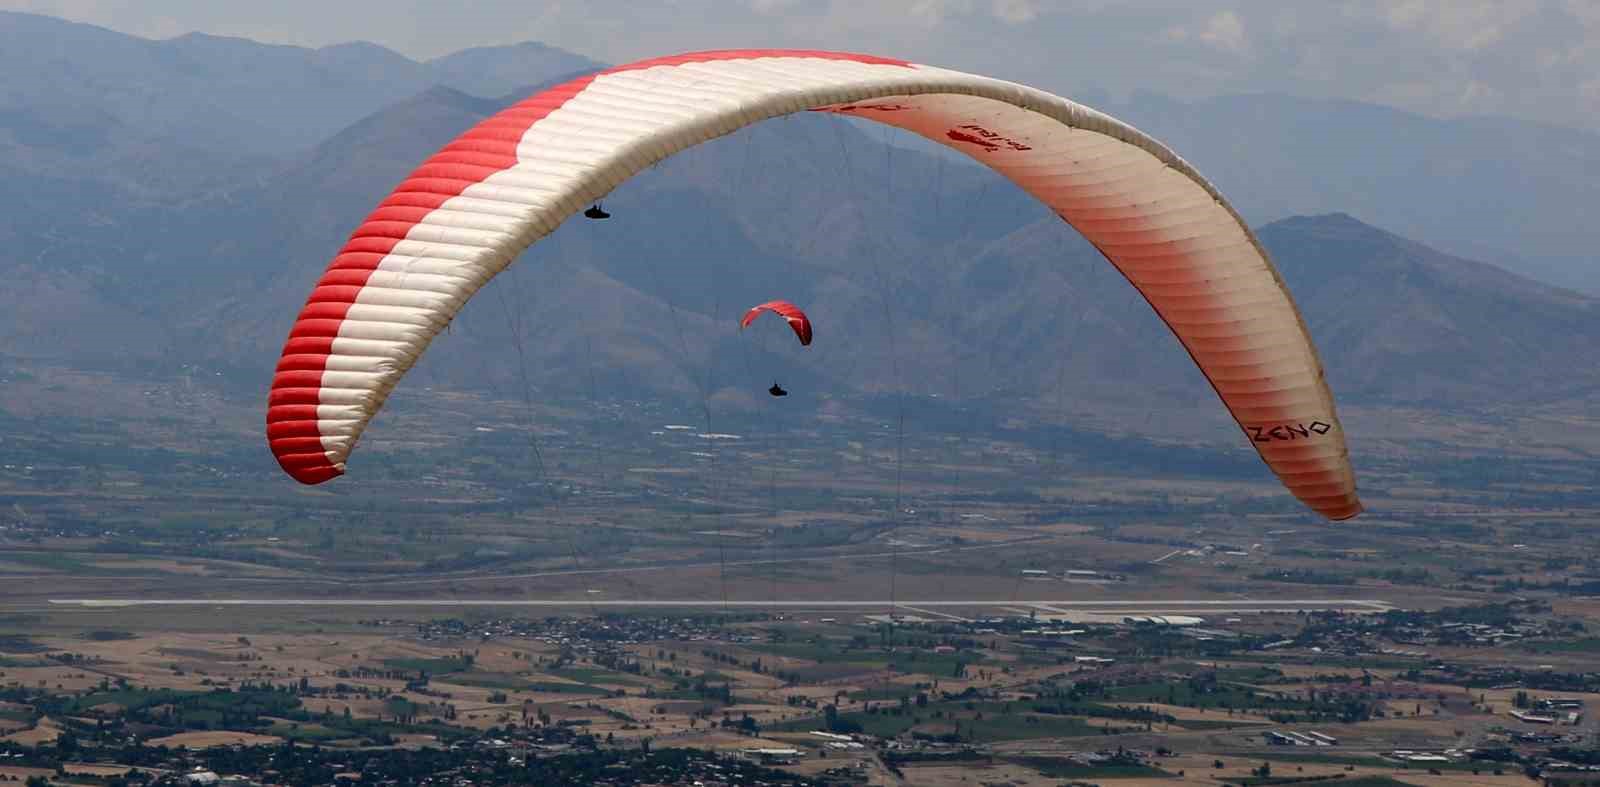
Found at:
<point>945,279</point>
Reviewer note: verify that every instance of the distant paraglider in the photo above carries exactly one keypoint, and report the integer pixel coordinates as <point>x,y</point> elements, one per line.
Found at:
<point>791,313</point>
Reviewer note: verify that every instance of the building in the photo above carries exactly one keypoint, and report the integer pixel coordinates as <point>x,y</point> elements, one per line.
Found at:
<point>1560,703</point>
<point>832,736</point>
<point>771,756</point>
<point>1163,620</point>
<point>1534,718</point>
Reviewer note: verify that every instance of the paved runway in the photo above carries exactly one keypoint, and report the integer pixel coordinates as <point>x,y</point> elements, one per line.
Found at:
<point>1152,606</point>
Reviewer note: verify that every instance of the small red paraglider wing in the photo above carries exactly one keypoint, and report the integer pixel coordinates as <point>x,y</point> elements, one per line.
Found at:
<point>791,313</point>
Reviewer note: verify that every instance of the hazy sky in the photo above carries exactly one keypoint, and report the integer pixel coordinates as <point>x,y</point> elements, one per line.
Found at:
<point>1538,58</point>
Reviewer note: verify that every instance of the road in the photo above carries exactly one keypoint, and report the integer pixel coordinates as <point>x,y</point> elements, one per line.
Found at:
<point>1210,605</point>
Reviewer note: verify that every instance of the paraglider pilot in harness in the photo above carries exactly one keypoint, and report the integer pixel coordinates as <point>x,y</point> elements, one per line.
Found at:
<point>777,390</point>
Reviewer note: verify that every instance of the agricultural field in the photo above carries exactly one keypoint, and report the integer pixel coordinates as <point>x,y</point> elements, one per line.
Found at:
<point>849,694</point>
<point>1032,607</point>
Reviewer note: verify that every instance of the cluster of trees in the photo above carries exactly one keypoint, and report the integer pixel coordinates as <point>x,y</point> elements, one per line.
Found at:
<point>1123,712</point>
<point>586,764</point>
<point>1205,690</point>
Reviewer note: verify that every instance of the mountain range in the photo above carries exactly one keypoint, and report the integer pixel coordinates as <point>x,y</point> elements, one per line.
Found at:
<point>172,202</point>
<point>1498,189</point>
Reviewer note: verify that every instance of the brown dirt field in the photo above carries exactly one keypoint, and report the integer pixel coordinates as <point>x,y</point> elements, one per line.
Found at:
<point>147,661</point>
<point>96,769</point>
<point>502,658</point>
<point>1195,714</point>
<point>463,695</point>
<point>873,770</point>
<point>1451,779</point>
<point>412,741</point>
<point>1307,670</point>
<point>1502,700</point>
<point>206,740</point>
<point>1063,528</point>
<point>46,732</point>
<point>18,773</point>
<point>359,708</point>
<point>761,713</point>
<point>68,677</point>
<point>159,566</point>
<point>982,535</point>
<point>969,775</point>
<point>1197,768</point>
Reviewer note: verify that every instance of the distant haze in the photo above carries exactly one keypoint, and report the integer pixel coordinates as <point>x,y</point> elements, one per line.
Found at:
<point>85,101</point>
<point>1538,59</point>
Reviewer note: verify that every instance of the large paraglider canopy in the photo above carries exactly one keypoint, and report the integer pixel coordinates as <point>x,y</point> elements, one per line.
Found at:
<point>791,313</point>
<point>468,211</point>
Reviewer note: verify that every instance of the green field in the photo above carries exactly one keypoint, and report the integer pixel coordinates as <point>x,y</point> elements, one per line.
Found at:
<point>1338,780</point>
<point>983,722</point>
<point>1585,645</point>
<point>844,659</point>
<point>304,732</point>
<point>597,675</point>
<point>1182,693</point>
<point>488,680</point>
<point>1364,761</point>
<point>22,715</point>
<point>554,687</point>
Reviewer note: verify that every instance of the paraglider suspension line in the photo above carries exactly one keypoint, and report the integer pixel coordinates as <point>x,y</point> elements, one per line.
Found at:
<point>533,435</point>
<point>705,409</point>
<point>773,433</point>
<point>894,367</point>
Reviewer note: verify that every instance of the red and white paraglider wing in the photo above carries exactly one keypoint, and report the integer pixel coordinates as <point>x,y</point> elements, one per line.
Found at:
<point>471,208</point>
<point>791,314</point>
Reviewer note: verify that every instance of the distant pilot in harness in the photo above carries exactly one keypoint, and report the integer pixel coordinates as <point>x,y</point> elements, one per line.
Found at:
<point>596,212</point>
<point>777,390</point>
